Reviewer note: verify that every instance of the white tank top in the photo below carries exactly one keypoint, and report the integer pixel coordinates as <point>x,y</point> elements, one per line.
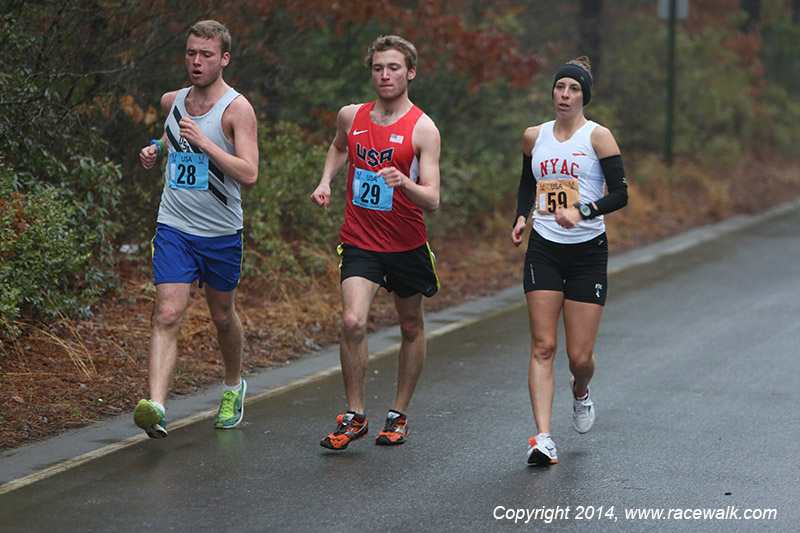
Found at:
<point>573,159</point>
<point>215,210</point>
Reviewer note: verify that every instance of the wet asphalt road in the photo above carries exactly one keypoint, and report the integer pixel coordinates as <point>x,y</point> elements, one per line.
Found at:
<point>696,409</point>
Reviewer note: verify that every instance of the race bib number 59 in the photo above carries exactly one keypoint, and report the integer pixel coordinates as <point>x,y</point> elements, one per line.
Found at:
<point>371,192</point>
<point>188,171</point>
<point>556,193</point>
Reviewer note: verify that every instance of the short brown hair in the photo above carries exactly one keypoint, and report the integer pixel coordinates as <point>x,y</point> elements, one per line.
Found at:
<point>211,29</point>
<point>393,42</point>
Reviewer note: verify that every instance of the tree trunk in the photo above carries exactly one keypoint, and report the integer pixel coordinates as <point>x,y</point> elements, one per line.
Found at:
<point>589,25</point>
<point>753,10</point>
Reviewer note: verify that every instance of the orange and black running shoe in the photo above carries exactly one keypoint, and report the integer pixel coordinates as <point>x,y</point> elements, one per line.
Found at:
<point>349,429</point>
<point>541,450</point>
<point>394,431</point>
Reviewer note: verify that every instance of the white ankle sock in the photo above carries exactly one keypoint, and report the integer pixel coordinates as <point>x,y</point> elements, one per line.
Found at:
<point>228,388</point>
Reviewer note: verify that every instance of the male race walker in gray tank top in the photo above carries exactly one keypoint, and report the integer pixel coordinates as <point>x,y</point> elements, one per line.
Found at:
<point>211,151</point>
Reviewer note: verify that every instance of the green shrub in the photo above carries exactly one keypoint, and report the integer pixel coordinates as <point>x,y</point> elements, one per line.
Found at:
<point>283,227</point>
<point>58,189</point>
<point>54,258</point>
<point>470,188</point>
<point>780,121</point>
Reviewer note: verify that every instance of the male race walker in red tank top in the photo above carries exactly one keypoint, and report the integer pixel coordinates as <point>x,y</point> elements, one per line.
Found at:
<point>392,150</point>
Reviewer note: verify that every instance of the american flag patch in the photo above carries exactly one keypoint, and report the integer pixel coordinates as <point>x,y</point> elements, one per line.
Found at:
<point>396,138</point>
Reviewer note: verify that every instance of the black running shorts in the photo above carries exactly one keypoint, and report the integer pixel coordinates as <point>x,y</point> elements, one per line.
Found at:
<point>580,270</point>
<point>406,273</point>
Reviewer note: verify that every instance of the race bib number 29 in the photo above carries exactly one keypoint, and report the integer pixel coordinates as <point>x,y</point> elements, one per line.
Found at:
<point>188,171</point>
<point>371,192</point>
<point>556,193</point>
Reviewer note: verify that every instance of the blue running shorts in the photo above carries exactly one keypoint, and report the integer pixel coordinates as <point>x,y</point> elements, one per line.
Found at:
<point>182,258</point>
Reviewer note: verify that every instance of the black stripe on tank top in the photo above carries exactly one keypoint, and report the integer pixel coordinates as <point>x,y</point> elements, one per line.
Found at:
<point>212,168</point>
<point>211,187</point>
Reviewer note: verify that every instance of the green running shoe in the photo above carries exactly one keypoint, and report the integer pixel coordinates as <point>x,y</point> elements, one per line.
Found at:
<point>231,408</point>
<point>150,418</point>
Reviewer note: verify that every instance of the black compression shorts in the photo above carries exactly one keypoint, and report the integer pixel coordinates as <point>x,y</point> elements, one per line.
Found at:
<point>406,273</point>
<point>580,270</point>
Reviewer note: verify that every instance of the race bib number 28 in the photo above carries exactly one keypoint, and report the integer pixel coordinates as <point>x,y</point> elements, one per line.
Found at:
<point>371,192</point>
<point>556,193</point>
<point>188,171</point>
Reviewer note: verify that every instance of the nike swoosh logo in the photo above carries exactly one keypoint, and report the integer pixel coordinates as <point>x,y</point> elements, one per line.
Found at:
<point>576,154</point>
<point>356,132</point>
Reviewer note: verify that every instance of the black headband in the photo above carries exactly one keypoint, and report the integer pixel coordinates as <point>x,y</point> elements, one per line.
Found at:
<point>579,74</point>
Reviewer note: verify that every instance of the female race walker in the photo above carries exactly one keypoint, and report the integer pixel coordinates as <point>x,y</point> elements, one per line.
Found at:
<point>566,165</point>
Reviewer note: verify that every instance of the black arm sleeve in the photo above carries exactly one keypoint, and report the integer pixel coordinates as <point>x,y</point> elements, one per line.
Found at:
<point>617,196</point>
<point>526,193</point>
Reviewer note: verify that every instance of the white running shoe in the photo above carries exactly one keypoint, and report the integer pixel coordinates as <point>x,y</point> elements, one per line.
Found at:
<point>582,410</point>
<point>542,450</point>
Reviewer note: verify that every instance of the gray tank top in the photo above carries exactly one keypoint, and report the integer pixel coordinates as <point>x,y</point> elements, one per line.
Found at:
<point>198,198</point>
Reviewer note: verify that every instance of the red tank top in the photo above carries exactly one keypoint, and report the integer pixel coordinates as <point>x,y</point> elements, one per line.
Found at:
<point>377,217</point>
